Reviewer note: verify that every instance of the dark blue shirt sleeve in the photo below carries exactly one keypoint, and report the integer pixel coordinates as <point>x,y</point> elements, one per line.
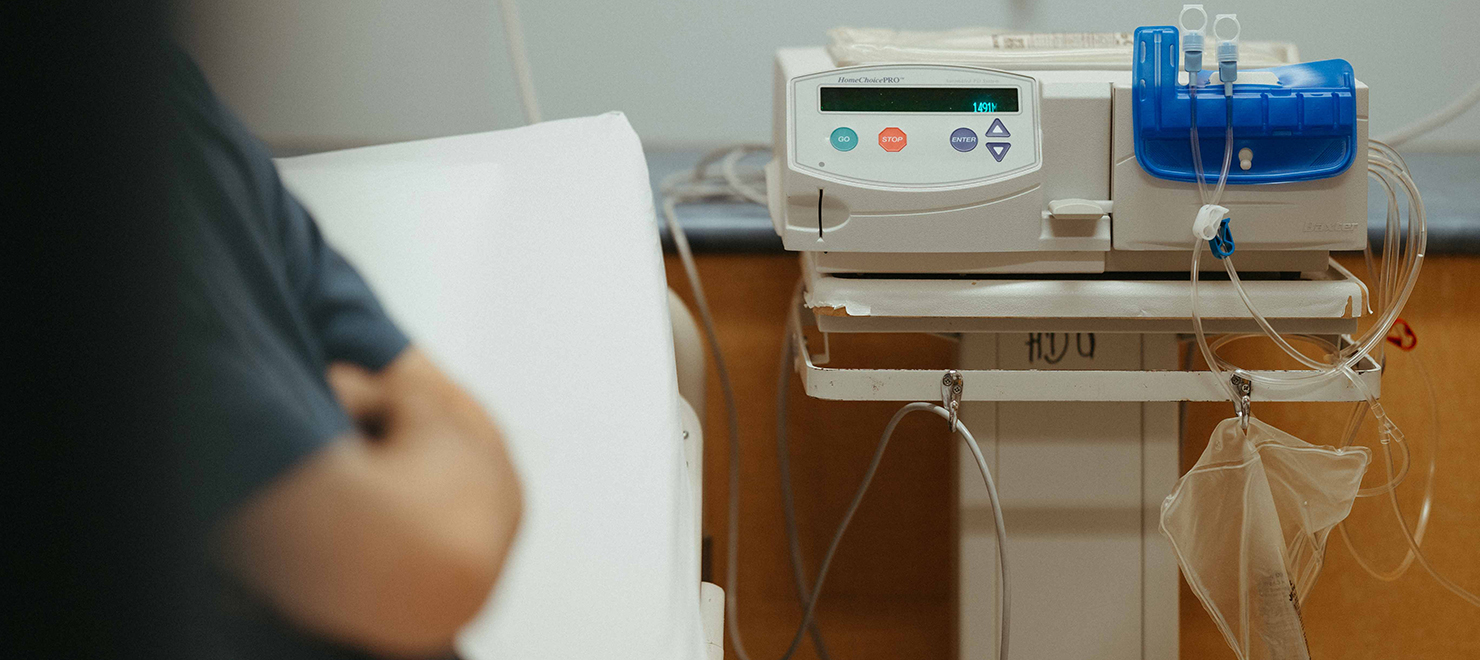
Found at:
<point>265,304</point>
<point>347,319</point>
<point>268,304</point>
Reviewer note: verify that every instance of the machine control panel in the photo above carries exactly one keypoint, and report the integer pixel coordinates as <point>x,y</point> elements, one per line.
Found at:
<point>915,126</point>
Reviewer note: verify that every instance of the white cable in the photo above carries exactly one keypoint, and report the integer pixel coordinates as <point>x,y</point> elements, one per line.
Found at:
<point>788,504</point>
<point>692,186</point>
<point>1441,117</point>
<point>732,177</point>
<point>868,477</point>
<point>698,185</point>
<point>732,554</point>
<point>519,57</point>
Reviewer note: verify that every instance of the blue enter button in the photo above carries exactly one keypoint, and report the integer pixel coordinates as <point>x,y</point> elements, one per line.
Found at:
<point>964,139</point>
<point>844,139</point>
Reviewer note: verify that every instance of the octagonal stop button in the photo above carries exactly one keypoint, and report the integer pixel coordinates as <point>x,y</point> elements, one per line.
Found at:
<point>892,139</point>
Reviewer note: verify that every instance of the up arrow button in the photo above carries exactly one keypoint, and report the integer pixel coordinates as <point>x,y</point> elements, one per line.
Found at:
<point>998,130</point>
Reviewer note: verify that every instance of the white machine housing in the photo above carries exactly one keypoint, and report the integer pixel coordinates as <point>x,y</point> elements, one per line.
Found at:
<point>1067,196</point>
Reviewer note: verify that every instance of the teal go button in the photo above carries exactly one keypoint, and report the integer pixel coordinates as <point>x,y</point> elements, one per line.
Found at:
<point>844,139</point>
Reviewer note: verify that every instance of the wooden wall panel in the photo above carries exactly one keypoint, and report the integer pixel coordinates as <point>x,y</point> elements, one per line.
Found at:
<point>890,594</point>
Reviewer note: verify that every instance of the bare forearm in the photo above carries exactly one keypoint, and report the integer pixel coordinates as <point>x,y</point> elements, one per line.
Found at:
<point>391,543</point>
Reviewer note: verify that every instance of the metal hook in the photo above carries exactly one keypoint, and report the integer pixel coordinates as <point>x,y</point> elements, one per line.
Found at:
<point>951,387</point>
<point>1245,390</point>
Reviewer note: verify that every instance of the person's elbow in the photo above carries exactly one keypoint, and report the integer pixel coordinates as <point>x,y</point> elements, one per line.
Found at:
<point>494,528</point>
<point>455,576</point>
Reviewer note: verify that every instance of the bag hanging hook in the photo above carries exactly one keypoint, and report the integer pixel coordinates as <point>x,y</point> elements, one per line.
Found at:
<point>951,387</point>
<point>1245,390</point>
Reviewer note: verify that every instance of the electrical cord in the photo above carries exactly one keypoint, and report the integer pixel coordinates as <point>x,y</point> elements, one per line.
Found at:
<point>1439,118</point>
<point>699,184</point>
<point>696,185</point>
<point>788,502</point>
<point>732,561</point>
<point>1004,594</point>
<point>519,58</point>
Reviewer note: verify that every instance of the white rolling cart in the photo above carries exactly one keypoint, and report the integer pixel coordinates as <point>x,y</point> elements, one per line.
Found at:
<point>1070,387</point>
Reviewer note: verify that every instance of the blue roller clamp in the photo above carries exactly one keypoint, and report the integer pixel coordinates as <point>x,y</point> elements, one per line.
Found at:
<point>1301,129</point>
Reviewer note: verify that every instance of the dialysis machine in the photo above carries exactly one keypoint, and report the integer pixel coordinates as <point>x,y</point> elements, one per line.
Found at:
<point>1057,168</point>
<point>1038,202</point>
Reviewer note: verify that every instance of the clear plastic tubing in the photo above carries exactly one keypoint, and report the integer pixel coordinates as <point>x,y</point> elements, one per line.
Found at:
<point>1197,167</point>
<point>1349,358</point>
<point>1376,333</point>
<point>1401,277</point>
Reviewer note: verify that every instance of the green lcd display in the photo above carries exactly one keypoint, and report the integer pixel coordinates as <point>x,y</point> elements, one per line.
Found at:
<point>919,99</point>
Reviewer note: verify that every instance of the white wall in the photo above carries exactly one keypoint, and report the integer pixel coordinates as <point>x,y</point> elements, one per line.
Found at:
<point>313,74</point>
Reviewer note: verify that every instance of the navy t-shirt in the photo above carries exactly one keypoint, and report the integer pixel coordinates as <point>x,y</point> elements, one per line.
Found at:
<point>266,305</point>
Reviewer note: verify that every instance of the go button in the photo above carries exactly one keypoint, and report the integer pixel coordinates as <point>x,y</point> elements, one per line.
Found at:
<point>892,139</point>
<point>844,139</point>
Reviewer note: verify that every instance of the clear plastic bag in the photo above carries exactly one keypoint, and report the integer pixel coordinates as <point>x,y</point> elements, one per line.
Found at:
<point>1249,524</point>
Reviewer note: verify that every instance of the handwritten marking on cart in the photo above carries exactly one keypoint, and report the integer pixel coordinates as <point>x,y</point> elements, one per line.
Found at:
<point>1051,347</point>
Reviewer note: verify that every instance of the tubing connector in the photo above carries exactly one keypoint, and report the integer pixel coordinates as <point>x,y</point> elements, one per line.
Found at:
<point>1192,39</point>
<point>1227,50</point>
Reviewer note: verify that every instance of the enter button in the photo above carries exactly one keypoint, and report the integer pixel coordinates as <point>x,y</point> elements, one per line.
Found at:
<point>963,140</point>
<point>892,139</point>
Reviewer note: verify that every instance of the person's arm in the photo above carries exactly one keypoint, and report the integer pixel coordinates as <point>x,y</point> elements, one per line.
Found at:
<point>391,538</point>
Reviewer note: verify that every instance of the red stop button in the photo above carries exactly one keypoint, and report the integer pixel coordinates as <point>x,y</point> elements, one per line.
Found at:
<point>892,139</point>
